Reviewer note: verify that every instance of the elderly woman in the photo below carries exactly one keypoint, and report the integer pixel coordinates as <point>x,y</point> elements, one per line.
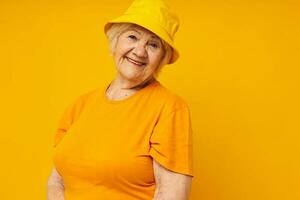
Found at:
<point>132,138</point>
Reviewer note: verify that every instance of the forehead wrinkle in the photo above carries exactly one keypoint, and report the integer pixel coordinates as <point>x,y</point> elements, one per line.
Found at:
<point>139,32</point>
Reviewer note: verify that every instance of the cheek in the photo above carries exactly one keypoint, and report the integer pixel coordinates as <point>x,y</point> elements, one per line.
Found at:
<point>156,58</point>
<point>122,47</point>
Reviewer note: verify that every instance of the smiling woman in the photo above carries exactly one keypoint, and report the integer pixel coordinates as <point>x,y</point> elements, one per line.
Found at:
<point>137,55</point>
<point>134,32</point>
<point>132,137</point>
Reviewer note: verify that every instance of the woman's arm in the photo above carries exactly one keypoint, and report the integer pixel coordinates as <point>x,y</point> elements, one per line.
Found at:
<point>170,185</point>
<point>55,186</point>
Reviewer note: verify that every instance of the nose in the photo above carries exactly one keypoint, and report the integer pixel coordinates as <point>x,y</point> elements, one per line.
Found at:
<point>139,50</point>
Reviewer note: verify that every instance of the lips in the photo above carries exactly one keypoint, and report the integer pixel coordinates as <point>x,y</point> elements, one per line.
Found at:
<point>135,62</point>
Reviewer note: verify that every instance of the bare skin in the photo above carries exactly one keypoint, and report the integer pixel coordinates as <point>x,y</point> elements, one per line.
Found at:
<point>55,186</point>
<point>137,55</point>
<point>170,185</point>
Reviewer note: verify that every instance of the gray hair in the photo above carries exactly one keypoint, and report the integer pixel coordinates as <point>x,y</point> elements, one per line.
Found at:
<point>117,29</point>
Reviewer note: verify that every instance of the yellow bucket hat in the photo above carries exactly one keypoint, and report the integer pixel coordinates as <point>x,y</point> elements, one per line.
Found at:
<point>154,15</point>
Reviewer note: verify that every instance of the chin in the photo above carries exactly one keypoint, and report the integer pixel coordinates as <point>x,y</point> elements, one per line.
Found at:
<point>129,72</point>
<point>132,77</point>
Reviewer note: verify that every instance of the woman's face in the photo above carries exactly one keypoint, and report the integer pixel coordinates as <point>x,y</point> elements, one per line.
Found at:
<point>138,53</point>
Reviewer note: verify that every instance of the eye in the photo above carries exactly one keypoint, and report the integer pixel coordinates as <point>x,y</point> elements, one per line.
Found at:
<point>154,45</point>
<point>132,37</point>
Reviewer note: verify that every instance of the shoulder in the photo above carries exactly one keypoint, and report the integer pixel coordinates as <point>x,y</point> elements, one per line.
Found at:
<point>169,99</point>
<point>86,96</point>
<point>80,101</point>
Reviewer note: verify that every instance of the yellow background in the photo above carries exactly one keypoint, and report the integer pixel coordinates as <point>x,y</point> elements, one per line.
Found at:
<point>238,70</point>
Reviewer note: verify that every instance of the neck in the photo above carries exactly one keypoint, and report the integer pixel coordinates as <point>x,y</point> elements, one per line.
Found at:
<point>122,84</point>
<point>119,87</point>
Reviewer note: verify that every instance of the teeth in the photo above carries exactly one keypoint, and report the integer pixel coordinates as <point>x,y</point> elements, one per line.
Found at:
<point>135,62</point>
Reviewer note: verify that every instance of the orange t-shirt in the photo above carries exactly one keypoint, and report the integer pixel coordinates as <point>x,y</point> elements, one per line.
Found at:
<point>104,148</point>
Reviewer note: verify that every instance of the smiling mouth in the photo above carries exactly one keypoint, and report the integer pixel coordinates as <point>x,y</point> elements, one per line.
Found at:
<point>135,62</point>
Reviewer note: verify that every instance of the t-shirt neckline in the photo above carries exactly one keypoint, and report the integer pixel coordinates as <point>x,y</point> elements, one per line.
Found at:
<point>135,95</point>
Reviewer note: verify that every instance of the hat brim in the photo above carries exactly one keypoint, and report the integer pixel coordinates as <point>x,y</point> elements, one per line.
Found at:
<point>148,24</point>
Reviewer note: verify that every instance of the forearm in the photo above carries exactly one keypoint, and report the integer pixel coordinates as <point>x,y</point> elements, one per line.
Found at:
<point>157,194</point>
<point>55,192</point>
<point>172,193</point>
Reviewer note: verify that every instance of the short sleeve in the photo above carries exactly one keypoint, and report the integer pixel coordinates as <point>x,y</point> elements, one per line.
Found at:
<point>171,141</point>
<point>68,117</point>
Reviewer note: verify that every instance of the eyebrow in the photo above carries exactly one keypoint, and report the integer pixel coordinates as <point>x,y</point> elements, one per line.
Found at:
<point>153,36</point>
